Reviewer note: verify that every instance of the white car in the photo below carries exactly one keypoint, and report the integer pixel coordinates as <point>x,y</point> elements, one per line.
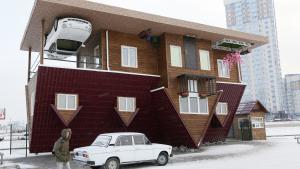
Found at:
<point>114,149</point>
<point>66,37</point>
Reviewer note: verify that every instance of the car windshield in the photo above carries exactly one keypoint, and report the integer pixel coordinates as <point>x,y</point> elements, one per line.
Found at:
<point>102,141</point>
<point>69,45</point>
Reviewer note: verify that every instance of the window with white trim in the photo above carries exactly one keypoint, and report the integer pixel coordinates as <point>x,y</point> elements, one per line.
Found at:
<point>193,104</point>
<point>257,122</point>
<point>176,56</point>
<point>223,69</point>
<point>126,104</point>
<point>129,56</point>
<point>204,60</point>
<point>222,108</point>
<point>193,86</point>
<point>66,101</point>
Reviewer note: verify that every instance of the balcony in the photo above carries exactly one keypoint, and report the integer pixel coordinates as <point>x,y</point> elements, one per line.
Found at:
<point>204,85</point>
<point>71,62</point>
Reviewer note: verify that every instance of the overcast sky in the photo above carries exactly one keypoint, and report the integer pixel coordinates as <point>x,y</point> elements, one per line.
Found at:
<point>14,15</point>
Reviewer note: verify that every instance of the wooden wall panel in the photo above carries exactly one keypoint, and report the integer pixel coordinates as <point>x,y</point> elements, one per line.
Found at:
<point>147,55</point>
<point>258,133</point>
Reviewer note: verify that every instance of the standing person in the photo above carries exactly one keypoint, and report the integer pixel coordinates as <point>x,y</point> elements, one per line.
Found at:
<point>61,149</point>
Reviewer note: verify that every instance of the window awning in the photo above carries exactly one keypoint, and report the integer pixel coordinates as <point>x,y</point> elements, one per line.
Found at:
<point>232,45</point>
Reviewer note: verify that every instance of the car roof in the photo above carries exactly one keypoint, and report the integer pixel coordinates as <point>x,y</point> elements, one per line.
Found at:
<point>121,133</point>
<point>114,136</point>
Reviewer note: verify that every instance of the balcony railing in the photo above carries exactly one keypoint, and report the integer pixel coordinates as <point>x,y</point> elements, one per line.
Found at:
<point>83,62</point>
<point>206,85</point>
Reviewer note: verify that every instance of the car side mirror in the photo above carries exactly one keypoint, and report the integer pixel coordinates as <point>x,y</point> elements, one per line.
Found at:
<point>83,45</point>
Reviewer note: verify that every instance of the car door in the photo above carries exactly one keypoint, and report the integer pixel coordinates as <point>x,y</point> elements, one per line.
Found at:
<point>124,149</point>
<point>143,151</point>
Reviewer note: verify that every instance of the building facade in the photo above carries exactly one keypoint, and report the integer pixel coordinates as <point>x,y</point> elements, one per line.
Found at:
<point>249,121</point>
<point>172,85</point>
<point>261,69</point>
<point>292,91</point>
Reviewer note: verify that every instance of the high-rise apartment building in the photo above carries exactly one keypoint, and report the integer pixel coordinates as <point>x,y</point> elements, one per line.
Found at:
<point>292,91</point>
<point>261,72</point>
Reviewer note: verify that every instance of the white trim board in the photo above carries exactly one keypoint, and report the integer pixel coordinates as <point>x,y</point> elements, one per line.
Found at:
<point>231,83</point>
<point>157,89</point>
<point>98,70</point>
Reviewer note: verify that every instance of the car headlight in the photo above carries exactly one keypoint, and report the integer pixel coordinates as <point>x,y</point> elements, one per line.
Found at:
<point>85,154</point>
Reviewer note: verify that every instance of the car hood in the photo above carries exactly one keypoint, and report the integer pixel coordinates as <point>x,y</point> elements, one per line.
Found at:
<point>91,149</point>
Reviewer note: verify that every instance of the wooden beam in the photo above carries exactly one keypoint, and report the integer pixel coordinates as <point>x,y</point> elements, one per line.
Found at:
<point>42,44</point>
<point>29,65</point>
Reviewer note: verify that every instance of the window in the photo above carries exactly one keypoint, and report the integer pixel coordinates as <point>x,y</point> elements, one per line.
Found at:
<point>222,108</point>
<point>243,121</point>
<point>124,141</point>
<point>102,141</point>
<point>192,86</point>
<point>223,69</point>
<point>257,122</point>
<point>66,101</point>
<point>126,104</point>
<point>129,56</point>
<point>139,139</point>
<point>69,45</point>
<point>193,104</point>
<point>204,60</point>
<point>176,57</point>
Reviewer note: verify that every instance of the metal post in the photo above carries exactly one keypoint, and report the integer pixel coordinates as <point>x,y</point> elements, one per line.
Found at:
<point>42,42</point>
<point>26,137</point>
<point>10,140</point>
<point>29,65</point>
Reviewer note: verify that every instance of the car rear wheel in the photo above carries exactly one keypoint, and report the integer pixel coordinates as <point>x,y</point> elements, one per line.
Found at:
<point>112,163</point>
<point>162,159</point>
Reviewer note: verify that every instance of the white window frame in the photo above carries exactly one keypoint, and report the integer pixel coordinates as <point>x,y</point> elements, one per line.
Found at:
<point>220,69</point>
<point>202,66</point>
<point>256,124</point>
<point>193,86</point>
<point>223,108</point>
<point>198,102</point>
<point>67,103</point>
<point>180,52</point>
<point>128,58</point>
<point>126,104</point>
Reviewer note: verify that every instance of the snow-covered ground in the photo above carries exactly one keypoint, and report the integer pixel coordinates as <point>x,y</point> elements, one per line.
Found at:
<point>274,153</point>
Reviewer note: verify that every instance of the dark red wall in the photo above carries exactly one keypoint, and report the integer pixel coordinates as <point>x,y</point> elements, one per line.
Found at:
<point>98,92</point>
<point>232,94</point>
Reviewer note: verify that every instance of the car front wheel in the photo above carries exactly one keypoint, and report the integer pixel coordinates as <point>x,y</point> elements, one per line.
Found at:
<point>162,159</point>
<point>112,163</point>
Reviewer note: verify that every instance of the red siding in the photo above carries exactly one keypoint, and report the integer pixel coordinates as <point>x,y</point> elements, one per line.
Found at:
<point>232,94</point>
<point>98,93</point>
